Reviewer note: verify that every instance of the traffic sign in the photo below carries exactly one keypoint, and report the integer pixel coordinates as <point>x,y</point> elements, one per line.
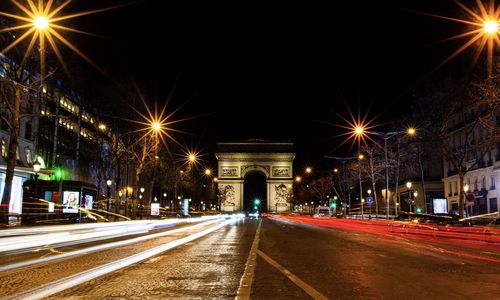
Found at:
<point>369,201</point>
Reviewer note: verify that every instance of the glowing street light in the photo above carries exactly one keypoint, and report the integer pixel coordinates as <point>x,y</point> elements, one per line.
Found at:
<point>482,31</point>
<point>298,179</point>
<point>490,27</point>
<point>208,172</point>
<point>156,126</point>
<point>308,170</point>
<point>358,130</point>
<point>41,22</point>
<point>411,131</point>
<point>191,158</point>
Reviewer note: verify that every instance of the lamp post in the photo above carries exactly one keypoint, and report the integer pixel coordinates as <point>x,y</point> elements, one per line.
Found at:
<point>408,186</point>
<point>360,157</point>
<point>466,189</point>
<point>359,131</point>
<point>36,168</point>
<point>120,194</point>
<point>369,191</point>
<point>416,209</point>
<point>108,184</point>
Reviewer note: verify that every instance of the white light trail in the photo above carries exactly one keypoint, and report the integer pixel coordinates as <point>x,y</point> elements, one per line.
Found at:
<point>88,250</point>
<point>78,234</point>
<point>73,280</point>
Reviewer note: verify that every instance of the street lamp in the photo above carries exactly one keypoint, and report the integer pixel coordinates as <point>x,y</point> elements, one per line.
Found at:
<point>41,22</point>
<point>360,157</point>
<point>408,186</point>
<point>108,184</point>
<point>36,168</point>
<point>410,131</point>
<point>490,27</point>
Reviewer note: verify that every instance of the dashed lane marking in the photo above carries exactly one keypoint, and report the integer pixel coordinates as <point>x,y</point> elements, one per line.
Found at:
<point>300,283</point>
<point>246,280</point>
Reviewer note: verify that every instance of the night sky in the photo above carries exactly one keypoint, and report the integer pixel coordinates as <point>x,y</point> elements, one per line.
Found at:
<point>272,69</point>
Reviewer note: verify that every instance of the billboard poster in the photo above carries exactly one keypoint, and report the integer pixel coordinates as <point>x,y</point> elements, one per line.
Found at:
<point>185,207</point>
<point>155,209</point>
<point>51,196</point>
<point>51,207</point>
<point>88,201</point>
<point>70,202</point>
<point>440,206</point>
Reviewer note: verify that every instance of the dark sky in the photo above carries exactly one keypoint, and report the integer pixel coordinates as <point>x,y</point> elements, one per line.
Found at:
<point>273,69</point>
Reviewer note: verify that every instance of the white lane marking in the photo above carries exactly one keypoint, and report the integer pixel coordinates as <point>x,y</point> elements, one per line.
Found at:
<point>75,279</point>
<point>83,251</point>
<point>245,287</point>
<point>306,287</point>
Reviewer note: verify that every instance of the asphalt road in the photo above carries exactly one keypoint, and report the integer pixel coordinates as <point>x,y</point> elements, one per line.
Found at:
<point>294,261</point>
<point>348,265</point>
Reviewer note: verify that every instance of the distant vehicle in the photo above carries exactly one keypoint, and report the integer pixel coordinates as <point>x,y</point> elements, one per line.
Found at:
<point>252,215</point>
<point>323,212</point>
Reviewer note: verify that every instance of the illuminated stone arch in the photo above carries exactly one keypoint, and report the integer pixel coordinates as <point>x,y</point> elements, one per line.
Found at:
<point>274,160</point>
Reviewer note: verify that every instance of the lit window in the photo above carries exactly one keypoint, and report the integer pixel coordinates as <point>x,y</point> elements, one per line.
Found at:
<point>4,148</point>
<point>27,151</point>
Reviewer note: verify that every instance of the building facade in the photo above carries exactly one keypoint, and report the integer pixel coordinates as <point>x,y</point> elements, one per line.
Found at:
<point>482,164</point>
<point>59,132</point>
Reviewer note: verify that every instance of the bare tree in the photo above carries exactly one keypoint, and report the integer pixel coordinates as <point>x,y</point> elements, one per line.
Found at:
<point>374,168</point>
<point>18,86</point>
<point>322,186</point>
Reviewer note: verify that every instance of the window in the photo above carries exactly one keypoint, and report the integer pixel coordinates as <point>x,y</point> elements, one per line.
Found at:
<point>455,191</point>
<point>3,121</point>
<point>493,205</point>
<point>483,183</point>
<point>492,186</point>
<point>27,131</point>
<point>4,148</point>
<point>27,150</point>
<point>475,184</point>
<point>450,191</point>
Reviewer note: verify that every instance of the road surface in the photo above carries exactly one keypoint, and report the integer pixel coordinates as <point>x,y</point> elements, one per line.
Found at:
<point>292,260</point>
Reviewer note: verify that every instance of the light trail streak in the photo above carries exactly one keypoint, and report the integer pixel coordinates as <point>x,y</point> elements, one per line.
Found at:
<point>475,237</point>
<point>441,250</point>
<point>88,250</point>
<point>85,234</point>
<point>73,280</point>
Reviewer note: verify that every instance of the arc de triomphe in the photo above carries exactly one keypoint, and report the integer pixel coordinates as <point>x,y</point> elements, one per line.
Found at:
<point>274,160</point>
